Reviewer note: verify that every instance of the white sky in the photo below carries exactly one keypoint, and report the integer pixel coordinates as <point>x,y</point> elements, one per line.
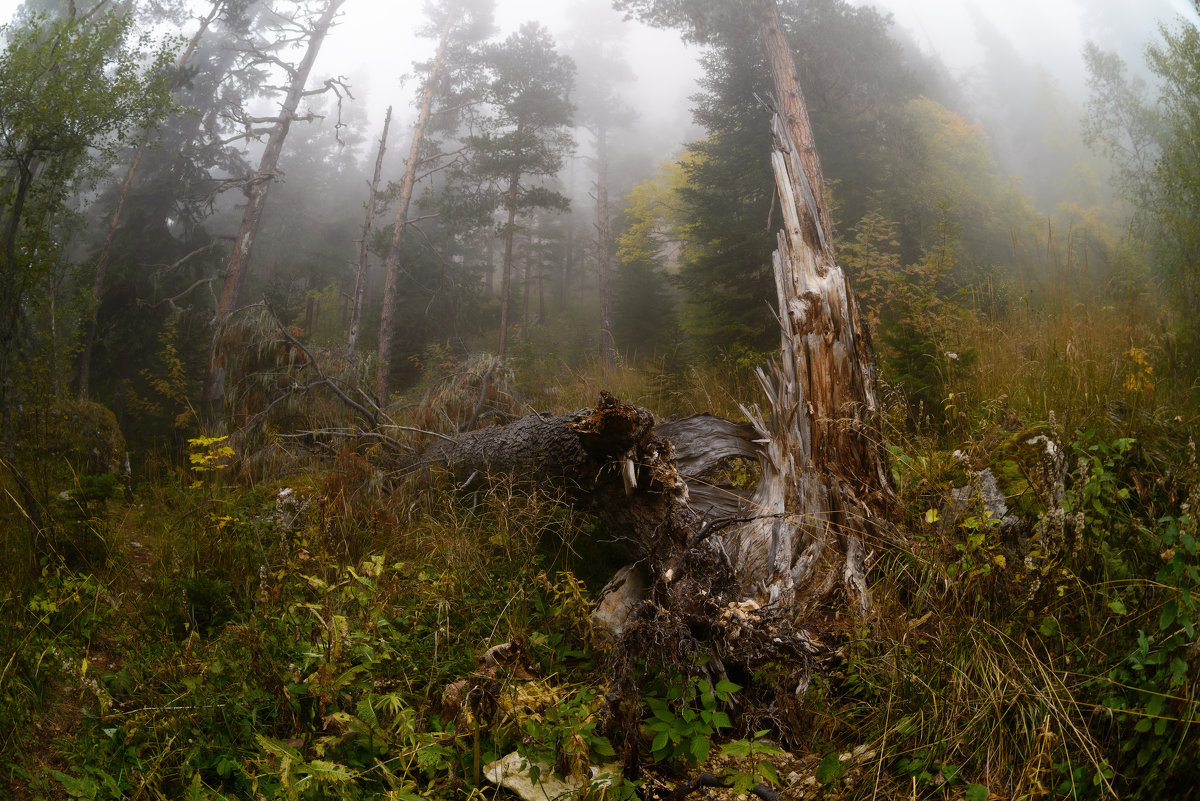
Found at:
<point>374,45</point>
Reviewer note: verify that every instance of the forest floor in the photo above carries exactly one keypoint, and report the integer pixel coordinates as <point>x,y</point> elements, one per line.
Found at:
<point>298,636</point>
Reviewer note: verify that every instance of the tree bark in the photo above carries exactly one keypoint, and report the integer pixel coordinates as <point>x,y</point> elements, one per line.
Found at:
<point>825,469</point>
<point>256,194</point>
<point>391,284</point>
<point>507,263</point>
<point>608,459</point>
<point>603,251</point>
<point>364,245</point>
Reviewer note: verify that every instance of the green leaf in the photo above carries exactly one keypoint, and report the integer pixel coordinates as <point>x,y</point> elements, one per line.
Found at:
<point>1117,607</point>
<point>366,713</point>
<point>721,720</point>
<point>976,792</point>
<point>831,769</point>
<point>278,748</point>
<point>195,790</point>
<point>76,788</point>
<point>737,748</point>
<point>698,749</point>
<point>726,688</point>
<point>659,746</point>
<point>768,772</point>
<point>602,747</point>
<point>1167,618</point>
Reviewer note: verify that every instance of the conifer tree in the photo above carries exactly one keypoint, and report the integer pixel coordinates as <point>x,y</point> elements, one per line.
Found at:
<point>524,137</point>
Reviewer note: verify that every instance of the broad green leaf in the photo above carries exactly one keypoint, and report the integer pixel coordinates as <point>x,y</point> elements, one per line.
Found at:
<point>1167,618</point>
<point>976,792</point>
<point>737,748</point>
<point>831,769</point>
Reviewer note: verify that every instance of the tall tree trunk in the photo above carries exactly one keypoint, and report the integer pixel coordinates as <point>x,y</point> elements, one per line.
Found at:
<point>364,245</point>
<point>256,193</point>
<point>490,266</point>
<point>603,251</point>
<point>91,321</point>
<point>83,374</point>
<point>526,285</point>
<point>391,284</point>
<point>256,198</point>
<point>10,301</point>
<point>565,284</point>
<point>506,265</point>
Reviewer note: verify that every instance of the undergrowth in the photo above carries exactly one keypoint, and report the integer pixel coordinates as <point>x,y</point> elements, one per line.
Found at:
<point>327,634</point>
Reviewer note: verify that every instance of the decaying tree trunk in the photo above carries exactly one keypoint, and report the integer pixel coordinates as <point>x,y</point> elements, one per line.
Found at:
<point>825,468</point>
<point>613,461</point>
<point>825,482</point>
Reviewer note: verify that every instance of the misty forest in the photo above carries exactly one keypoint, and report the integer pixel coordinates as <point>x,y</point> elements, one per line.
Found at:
<point>610,399</point>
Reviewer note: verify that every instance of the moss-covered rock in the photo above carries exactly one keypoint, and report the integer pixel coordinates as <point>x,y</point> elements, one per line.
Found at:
<point>69,445</point>
<point>1029,469</point>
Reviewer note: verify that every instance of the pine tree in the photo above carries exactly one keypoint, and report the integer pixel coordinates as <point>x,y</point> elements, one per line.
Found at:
<point>524,138</point>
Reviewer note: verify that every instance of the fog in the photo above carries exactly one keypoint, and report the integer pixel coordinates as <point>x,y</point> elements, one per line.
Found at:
<point>976,107</point>
<point>375,45</point>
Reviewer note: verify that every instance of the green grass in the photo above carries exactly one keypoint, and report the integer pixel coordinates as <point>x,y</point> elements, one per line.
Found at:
<point>199,640</point>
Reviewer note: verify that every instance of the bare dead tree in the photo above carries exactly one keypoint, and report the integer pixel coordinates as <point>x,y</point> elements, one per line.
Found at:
<point>387,322</point>
<point>312,32</point>
<point>364,245</point>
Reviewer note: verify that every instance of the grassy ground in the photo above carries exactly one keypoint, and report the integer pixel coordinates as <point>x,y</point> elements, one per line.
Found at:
<point>319,635</point>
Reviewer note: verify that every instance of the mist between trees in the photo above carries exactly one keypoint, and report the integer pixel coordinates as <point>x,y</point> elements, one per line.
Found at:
<point>203,237</point>
<point>510,212</point>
